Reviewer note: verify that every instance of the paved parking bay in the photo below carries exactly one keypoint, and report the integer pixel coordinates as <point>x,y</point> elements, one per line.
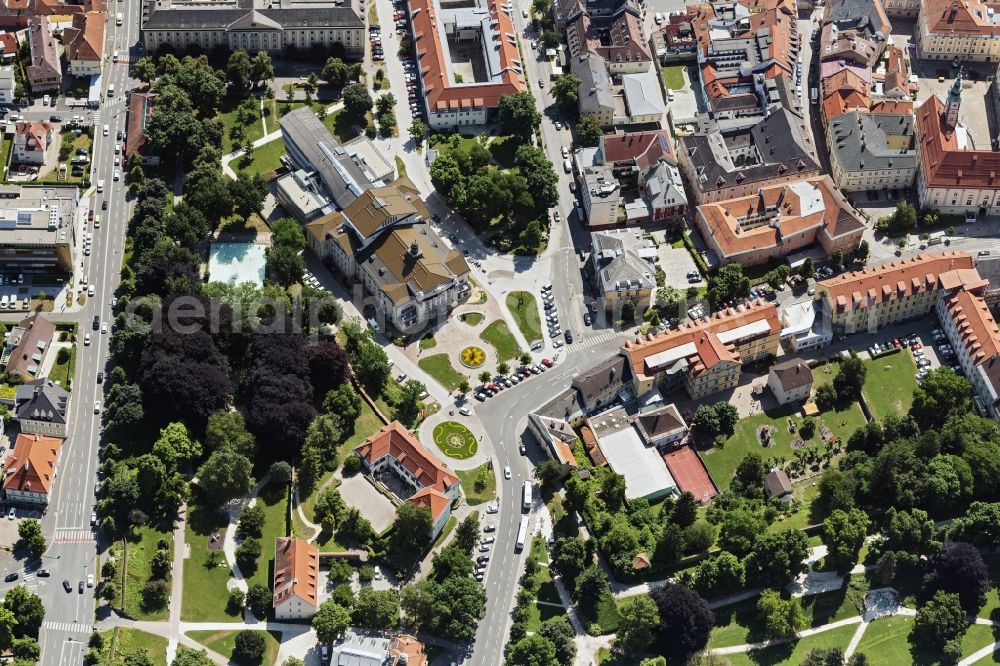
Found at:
<point>677,263</point>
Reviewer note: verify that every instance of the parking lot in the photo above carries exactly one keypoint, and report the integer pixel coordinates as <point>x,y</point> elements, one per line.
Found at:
<point>929,351</point>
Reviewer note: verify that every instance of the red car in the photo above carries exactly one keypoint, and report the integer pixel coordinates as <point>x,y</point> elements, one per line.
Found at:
<point>90,215</point>
<point>547,362</point>
<point>895,343</point>
<point>493,387</point>
<point>916,345</point>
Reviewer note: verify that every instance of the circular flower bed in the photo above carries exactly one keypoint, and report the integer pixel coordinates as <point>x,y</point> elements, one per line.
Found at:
<point>455,440</point>
<point>473,357</point>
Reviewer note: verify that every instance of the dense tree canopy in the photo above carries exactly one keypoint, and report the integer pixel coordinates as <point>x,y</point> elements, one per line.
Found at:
<point>685,620</point>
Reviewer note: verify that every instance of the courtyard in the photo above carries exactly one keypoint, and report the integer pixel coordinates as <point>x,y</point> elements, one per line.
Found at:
<point>373,505</point>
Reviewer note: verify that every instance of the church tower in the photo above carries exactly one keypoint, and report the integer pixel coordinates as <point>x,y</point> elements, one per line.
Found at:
<point>954,102</point>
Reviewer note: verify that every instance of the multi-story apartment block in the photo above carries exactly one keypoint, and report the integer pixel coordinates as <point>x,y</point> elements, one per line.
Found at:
<point>44,72</point>
<point>252,25</point>
<point>873,150</point>
<point>896,291</point>
<point>444,34</point>
<point>42,408</point>
<point>610,29</point>
<point>26,345</point>
<point>30,470</point>
<point>84,42</point>
<point>963,29</point>
<point>621,265</point>
<point>601,196</point>
<point>856,30</point>
<point>956,176</point>
<point>36,228</point>
<point>705,356</point>
<point>780,220</point>
<point>902,8</point>
<point>720,164</point>
<point>843,87</point>
<point>31,143</point>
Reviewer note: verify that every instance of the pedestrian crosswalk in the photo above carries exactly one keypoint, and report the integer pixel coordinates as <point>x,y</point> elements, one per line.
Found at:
<point>73,536</point>
<point>69,627</point>
<point>598,339</point>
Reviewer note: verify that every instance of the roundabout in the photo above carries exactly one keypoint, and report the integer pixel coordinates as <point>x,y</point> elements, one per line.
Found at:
<point>455,440</point>
<point>473,357</point>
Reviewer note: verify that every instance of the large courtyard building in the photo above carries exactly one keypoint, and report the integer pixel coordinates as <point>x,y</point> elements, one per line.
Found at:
<point>874,149</point>
<point>252,25</point>
<point>449,34</point>
<point>705,356</point>
<point>720,164</point>
<point>780,220</point>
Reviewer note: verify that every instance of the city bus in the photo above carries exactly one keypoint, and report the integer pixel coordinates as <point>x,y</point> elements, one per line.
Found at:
<point>522,534</point>
<point>526,496</point>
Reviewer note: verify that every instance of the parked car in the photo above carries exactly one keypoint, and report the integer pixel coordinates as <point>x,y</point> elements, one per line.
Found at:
<point>11,577</point>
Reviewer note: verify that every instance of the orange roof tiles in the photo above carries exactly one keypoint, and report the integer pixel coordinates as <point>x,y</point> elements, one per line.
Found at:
<point>32,465</point>
<point>84,40</point>
<point>893,280</point>
<point>396,441</point>
<point>441,93</point>
<point>843,92</point>
<point>431,499</point>
<point>411,647</point>
<point>943,163</point>
<point>975,325</point>
<point>892,107</point>
<point>702,336</point>
<point>959,17</point>
<point>643,148</point>
<point>895,71</point>
<point>296,570</point>
<point>788,216</point>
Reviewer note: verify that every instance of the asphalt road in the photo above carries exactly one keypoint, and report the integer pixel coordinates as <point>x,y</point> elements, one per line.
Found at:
<point>72,553</point>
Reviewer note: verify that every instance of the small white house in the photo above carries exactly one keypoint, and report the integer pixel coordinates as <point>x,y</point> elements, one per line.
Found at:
<point>790,381</point>
<point>296,578</point>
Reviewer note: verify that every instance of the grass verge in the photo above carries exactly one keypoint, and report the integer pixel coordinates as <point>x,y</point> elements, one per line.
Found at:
<point>486,491</point>
<point>502,340</point>
<point>522,305</point>
<point>439,367</point>
<point>224,642</point>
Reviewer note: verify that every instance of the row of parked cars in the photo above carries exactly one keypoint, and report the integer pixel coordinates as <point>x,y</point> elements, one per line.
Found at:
<point>375,37</point>
<point>484,548</point>
<point>519,375</point>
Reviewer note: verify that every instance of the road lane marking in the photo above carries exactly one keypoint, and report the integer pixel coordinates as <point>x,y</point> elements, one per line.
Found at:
<point>67,627</point>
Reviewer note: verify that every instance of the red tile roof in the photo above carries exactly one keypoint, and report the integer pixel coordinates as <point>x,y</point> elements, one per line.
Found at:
<point>975,325</point>
<point>895,280</point>
<point>84,40</point>
<point>296,570</point>
<point>943,163</point>
<point>32,465</point>
<point>396,441</point>
<point>431,499</point>
<point>643,148</point>
<point>443,94</point>
<point>703,335</point>
<point>959,17</point>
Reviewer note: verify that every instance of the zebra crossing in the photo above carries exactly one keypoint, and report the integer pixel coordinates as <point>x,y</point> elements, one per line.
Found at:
<point>68,627</point>
<point>598,339</point>
<point>64,535</point>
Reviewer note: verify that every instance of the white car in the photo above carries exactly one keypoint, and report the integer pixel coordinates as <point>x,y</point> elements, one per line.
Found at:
<point>506,472</point>
<point>465,411</point>
<point>565,151</point>
<point>12,514</point>
<point>118,175</point>
<point>86,340</point>
<point>484,548</point>
<point>104,327</point>
<point>493,507</point>
<point>97,406</point>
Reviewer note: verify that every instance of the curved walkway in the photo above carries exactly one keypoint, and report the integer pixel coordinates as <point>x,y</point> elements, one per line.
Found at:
<point>229,539</point>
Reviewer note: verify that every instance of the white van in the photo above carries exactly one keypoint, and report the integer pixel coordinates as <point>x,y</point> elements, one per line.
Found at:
<point>118,18</point>
<point>4,302</point>
<point>100,186</point>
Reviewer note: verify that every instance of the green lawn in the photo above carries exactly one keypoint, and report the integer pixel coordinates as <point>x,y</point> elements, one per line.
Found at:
<point>205,573</point>
<point>275,109</point>
<point>400,167</point>
<point>889,384</point>
<point>471,318</point>
<point>127,642</point>
<point>439,367</point>
<point>673,77</point>
<point>468,480</point>
<point>62,373</point>
<point>792,654</point>
<point>263,160</point>
<point>428,341</point>
<point>344,126</point>
<point>721,462</point>
<point>69,142</point>
<point>738,624</point>
<point>503,341</point>
<point>976,638</point>
<point>455,440</point>
<point>141,548</point>
<point>522,305</point>
<point>274,499</point>
<point>5,149</point>
<point>227,114</point>
<point>224,641</point>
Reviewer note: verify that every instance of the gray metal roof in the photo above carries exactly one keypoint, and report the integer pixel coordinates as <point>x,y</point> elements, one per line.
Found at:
<point>41,400</point>
<point>859,141</point>
<point>313,148</point>
<point>773,147</point>
<point>595,86</point>
<point>642,93</point>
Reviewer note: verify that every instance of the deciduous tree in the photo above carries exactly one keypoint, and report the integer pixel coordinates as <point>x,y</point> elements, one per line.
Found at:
<point>685,620</point>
